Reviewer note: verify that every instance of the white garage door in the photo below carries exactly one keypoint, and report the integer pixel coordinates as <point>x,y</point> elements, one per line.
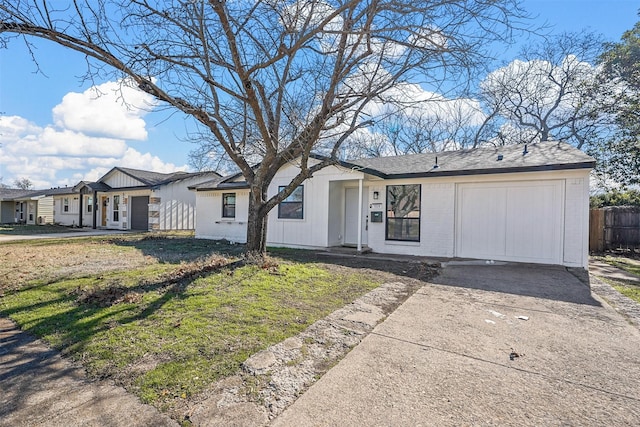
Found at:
<point>511,221</point>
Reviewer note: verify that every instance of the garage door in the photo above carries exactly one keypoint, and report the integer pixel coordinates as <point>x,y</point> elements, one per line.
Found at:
<point>511,221</point>
<point>140,213</point>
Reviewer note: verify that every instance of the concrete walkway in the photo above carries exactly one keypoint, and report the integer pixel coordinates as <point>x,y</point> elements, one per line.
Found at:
<point>492,345</point>
<point>39,388</point>
<point>80,232</point>
<point>602,269</point>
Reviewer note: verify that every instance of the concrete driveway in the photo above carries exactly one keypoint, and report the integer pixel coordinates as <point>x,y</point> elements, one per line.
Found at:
<point>457,353</point>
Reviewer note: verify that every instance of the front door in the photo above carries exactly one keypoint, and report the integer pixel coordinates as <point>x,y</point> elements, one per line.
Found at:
<point>105,205</point>
<point>351,216</point>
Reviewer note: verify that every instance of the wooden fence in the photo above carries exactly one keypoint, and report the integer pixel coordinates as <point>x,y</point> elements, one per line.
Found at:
<point>615,227</point>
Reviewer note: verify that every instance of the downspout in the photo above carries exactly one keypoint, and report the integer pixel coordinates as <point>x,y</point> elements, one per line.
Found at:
<point>360,215</point>
<point>95,208</point>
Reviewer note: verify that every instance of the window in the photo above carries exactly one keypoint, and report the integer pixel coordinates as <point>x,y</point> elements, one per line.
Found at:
<point>65,204</point>
<point>291,207</point>
<point>228,205</point>
<point>116,208</point>
<point>403,212</point>
<point>89,204</point>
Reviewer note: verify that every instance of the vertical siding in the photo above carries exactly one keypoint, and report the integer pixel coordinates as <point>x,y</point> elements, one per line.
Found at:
<point>120,180</point>
<point>576,222</point>
<point>177,207</point>
<point>437,220</point>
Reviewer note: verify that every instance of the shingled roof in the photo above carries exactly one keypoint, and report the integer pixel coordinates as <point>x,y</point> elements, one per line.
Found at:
<point>9,194</point>
<point>541,156</point>
<point>154,179</point>
<point>508,158</point>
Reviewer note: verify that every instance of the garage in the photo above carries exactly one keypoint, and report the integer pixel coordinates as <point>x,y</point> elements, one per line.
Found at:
<point>510,221</point>
<point>140,213</point>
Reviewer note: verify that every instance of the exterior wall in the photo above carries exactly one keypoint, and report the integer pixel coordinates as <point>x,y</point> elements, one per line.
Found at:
<point>336,214</point>
<point>321,225</point>
<point>70,217</point>
<point>119,180</point>
<point>211,225</point>
<point>313,230</point>
<point>7,212</point>
<point>45,210</point>
<point>438,214</point>
<point>323,222</point>
<point>175,207</point>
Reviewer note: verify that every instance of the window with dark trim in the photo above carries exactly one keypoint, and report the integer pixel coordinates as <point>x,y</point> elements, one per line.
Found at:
<point>116,208</point>
<point>403,212</point>
<point>292,206</point>
<point>228,205</point>
<point>89,204</point>
<point>65,205</point>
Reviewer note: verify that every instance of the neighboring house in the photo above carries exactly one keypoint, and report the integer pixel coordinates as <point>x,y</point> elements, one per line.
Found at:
<point>524,203</point>
<point>132,199</point>
<point>16,206</point>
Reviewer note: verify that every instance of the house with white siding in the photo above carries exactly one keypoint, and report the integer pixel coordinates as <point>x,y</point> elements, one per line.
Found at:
<point>133,199</point>
<point>523,203</point>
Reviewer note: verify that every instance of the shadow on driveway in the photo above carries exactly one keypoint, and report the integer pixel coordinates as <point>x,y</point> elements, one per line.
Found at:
<point>537,281</point>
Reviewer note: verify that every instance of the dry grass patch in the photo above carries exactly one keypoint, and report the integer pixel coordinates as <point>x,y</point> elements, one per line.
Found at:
<point>165,317</point>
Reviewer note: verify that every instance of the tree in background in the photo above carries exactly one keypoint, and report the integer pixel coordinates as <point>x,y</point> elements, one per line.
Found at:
<point>270,81</point>
<point>551,94</point>
<point>621,65</point>
<point>23,183</point>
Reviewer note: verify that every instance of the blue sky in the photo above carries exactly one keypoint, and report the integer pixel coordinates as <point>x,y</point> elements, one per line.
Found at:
<point>55,134</point>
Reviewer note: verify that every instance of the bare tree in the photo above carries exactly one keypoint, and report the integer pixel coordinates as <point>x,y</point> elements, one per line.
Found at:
<point>23,183</point>
<point>553,93</point>
<point>269,80</point>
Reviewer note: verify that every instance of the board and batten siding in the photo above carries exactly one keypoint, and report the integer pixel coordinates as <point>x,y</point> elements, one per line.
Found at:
<point>121,180</point>
<point>173,206</point>
<point>440,205</point>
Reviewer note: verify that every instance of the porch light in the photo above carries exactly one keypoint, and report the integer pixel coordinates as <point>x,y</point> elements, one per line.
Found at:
<point>376,195</point>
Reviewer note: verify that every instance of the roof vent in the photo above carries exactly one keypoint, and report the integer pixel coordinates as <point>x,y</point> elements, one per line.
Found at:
<point>436,165</point>
<point>525,151</point>
<point>500,157</point>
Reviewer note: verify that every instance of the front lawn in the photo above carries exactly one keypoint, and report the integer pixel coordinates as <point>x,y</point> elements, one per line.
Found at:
<point>165,317</point>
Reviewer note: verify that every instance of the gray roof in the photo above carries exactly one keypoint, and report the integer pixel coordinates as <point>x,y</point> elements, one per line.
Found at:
<point>9,194</point>
<point>153,179</point>
<point>508,158</point>
<point>541,156</point>
<point>215,184</point>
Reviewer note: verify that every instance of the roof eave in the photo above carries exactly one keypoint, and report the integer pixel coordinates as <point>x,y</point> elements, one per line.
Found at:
<point>487,171</point>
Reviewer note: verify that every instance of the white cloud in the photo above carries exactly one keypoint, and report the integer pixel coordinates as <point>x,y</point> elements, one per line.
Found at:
<point>112,109</point>
<point>77,147</point>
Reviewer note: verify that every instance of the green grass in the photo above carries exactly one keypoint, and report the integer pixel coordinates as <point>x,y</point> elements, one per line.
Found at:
<point>628,289</point>
<point>166,330</point>
<point>631,291</point>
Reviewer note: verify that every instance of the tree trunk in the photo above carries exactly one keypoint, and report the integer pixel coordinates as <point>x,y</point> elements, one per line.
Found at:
<point>257,224</point>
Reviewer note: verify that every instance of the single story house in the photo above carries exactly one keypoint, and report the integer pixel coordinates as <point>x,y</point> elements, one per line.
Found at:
<point>523,203</point>
<point>15,206</point>
<point>133,199</point>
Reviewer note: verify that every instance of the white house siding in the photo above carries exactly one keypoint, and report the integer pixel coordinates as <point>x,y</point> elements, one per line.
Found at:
<point>440,205</point>
<point>313,231</point>
<point>120,180</point>
<point>211,225</point>
<point>71,216</point>
<point>176,207</point>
